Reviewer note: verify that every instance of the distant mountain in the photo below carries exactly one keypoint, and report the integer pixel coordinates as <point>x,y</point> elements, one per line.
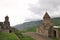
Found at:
<point>56,21</point>
<point>32,24</point>
<point>27,25</point>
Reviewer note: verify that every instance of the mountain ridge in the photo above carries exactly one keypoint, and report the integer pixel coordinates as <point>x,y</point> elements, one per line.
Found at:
<point>31,24</point>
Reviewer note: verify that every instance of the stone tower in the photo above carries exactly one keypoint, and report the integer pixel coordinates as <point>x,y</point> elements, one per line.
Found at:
<point>6,24</point>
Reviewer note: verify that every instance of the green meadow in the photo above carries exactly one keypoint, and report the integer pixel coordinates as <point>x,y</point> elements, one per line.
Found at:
<point>8,36</point>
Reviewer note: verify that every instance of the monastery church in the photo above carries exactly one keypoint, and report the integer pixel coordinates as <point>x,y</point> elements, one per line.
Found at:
<point>5,26</point>
<point>47,28</point>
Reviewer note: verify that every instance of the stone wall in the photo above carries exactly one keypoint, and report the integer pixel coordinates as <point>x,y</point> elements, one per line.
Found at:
<point>5,30</point>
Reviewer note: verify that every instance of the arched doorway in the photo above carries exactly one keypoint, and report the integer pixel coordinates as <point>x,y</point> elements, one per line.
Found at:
<point>54,33</point>
<point>10,31</point>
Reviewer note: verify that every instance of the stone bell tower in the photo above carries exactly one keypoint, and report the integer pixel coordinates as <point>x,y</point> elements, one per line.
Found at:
<point>46,19</point>
<point>6,23</point>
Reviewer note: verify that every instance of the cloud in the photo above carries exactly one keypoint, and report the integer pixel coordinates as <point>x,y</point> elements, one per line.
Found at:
<point>51,6</point>
<point>17,10</point>
<point>21,11</point>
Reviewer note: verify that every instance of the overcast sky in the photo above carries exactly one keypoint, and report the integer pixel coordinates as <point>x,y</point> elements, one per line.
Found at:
<point>21,11</point>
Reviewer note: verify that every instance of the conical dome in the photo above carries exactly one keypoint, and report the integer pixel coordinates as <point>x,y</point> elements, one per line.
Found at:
<point>46,15</point>
<point>6,18</point>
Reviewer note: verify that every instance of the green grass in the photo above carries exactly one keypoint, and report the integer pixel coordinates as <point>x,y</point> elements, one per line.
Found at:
<point>8,36</point>
<point>27,38</point>
<point>19,35</point>
<point>33,29</point>
<point>54,38</point>
<point>23,37</point>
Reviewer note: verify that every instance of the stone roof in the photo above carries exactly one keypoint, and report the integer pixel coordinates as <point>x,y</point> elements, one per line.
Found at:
<point>46,15</point>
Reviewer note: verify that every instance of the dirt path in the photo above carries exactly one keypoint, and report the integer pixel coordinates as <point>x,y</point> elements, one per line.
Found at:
<point>36,36</point>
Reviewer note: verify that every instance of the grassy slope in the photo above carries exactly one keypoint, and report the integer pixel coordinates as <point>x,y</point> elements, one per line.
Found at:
<point>27,38</point>
<point>33,29</point>
<point>8,36</point>
<point>23,37</point>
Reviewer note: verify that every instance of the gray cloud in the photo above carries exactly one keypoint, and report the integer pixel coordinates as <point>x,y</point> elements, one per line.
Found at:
<point>52,6</point>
